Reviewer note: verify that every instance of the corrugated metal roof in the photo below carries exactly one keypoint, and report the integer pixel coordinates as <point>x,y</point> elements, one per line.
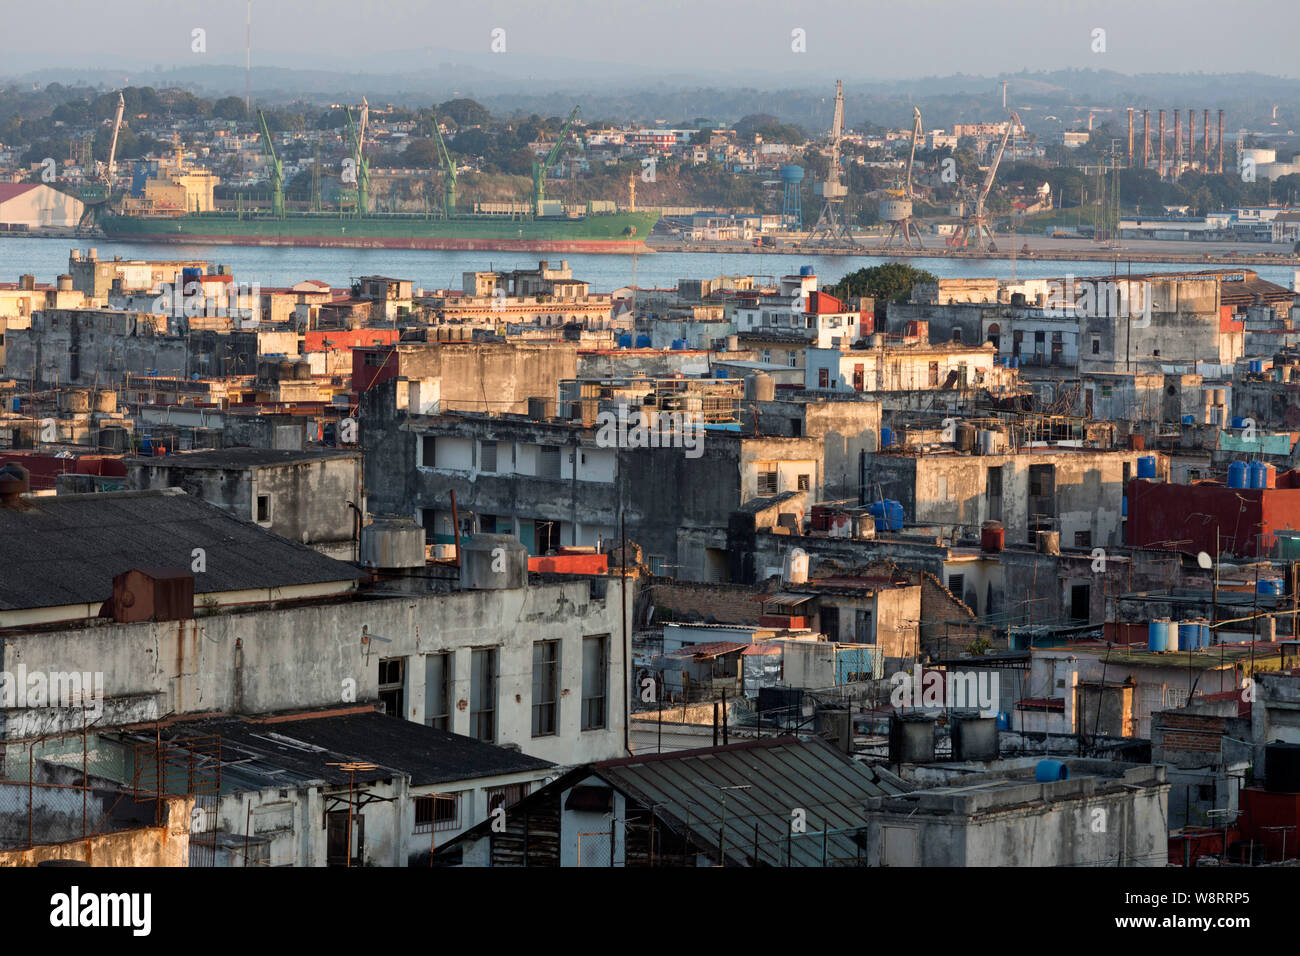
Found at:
<point>785,599</point>
<point>711,649</point>
<point>780,776</point>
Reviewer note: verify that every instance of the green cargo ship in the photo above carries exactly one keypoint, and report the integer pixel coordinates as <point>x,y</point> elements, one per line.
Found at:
<point>615,232</point>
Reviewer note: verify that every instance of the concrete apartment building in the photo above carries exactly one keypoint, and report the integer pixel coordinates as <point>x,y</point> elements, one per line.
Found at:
<point>1076,492</point>
<point>305,496</point>
<point>551,484</point>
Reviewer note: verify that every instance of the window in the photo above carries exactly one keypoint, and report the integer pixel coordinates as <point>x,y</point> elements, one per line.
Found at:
<point>483,695</point>
<point>823,378</point>
<point>934,373</point>
<point>263,509</point>
<point>767,483</point>
<point>548,461</point>
<point>804,482</point>
<point>546,678</point>
<point>392,684</point>
<point>1096,345</point>
<point>1081,602</point>
<point>437,811</point>
<point>956,335</point>
<point>863,632</point>
<point>488,458</point>
<point>505,797</point>
<point>546,536</point>
<point>595,679</point>
<point>792,359</point>
<point>767,356</point>
<point>957,585</point>
<point>1106,391</point>
<point>796,427</point>
<point>428,446</point>
<point>1083,539</point>
<point>437,691</point>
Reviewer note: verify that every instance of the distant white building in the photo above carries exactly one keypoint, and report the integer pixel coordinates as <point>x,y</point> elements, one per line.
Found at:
<point>38,206</point>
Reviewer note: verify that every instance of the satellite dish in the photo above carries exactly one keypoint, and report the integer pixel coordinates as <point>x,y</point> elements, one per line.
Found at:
<point>1204,560</point>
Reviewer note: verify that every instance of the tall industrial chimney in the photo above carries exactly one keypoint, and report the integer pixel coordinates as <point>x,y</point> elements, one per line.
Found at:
<point>1205,140</point>
<point>1129,162</point>
<point>1178,141</point>
<point>1161,154</point>
<point>1191,138</point>
<point>1220,140</point>
<point>1146,139</point>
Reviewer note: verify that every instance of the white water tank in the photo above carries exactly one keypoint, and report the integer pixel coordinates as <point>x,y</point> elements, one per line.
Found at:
<point>795,569</point>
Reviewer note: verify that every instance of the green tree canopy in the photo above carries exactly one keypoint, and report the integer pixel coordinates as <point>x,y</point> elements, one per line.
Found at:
<point>889,282</point>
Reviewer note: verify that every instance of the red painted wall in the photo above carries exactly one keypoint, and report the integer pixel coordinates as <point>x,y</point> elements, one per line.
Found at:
<point>1247,517</point>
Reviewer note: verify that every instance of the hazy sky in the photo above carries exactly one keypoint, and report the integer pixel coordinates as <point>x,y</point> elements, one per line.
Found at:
<point>749,40</point>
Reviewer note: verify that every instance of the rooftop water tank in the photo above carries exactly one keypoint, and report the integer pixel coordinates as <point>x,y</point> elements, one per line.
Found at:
<point>679,345</point>
<point>1147,466</point>
<point>806,271</point>
<point>1158,636</point>
<point>625,340</point>
<point>1189,633</point>
<point>760,387</point>
<point>1237,474</point>
<point>642,340</point>
<point>1049,771</point>
<point>888,514</point>
<point>886,437</point>
<point>1256,474</point>
<point>392,543</point>
<point>493,562</point>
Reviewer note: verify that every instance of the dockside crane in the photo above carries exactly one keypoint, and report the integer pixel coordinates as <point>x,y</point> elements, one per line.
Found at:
<point>830,228</point>
<point>975,226</point>
<point>897,211</point>
<point>541,169</point>
<point>111,166</point>
<point>277,169</point>
<point>448,173</point>
<point>358,157</point>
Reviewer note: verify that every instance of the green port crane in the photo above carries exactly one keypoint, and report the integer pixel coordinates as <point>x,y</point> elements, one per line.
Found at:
<point>358,157</point>
<point>540,169</point>
<point>277,170</point>
<point>448,174</point>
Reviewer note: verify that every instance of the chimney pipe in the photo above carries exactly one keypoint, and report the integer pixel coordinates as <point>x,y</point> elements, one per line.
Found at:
<point>1130,138</point>
<point>1146,139</point>
<point>1191,138</point>
<point>1178,141</point>
<point>1161,160</point>
<point>1220,140</point>
<point>1205,140</point>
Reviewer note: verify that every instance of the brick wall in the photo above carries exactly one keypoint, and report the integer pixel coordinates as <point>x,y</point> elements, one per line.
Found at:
<point>709,603</point>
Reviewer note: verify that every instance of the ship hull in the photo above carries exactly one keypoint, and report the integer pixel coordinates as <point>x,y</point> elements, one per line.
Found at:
<point>619,233</point>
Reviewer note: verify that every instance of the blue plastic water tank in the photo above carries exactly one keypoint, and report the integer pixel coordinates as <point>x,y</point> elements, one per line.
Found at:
<point>1256,365</point>
<point>719,373</point>
<point>806,271</point>
<point>1015,361</point>
<point>1189,635</point>
<point>1049,771</point>
<point>1237,474</point>
<point>679,345</point>
<point>1238,422</point>
<point>1189,419</point>
<point>1268,587</point>
<point>1158,636</point>
<point>625,340</point>
<point>1147,466</point>
<point>1004,720</point>
<point>18,404</point>
<point>1257,473</point>
<point>886,436</point>
<point>1123,505</point>
<point>642,340</point>
<point>888,514</point>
